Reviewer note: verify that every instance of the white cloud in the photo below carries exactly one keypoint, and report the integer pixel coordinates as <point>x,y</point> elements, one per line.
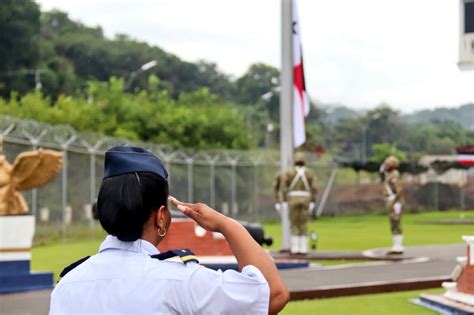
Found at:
<point>359,53</point>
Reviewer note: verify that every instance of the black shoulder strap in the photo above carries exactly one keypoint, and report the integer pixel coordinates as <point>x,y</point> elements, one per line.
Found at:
<point>185,255</point>
<point>72,266</point>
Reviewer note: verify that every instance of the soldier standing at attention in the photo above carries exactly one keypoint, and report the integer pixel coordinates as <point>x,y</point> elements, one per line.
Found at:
<point>393,192</point>
<point>299,191</point>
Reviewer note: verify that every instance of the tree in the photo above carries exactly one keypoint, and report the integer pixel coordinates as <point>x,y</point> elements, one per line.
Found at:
<point>384,150</point>
<point>198,119</point>
<point>260,84</point>
<point>19,53</point>
<point>217,82</point>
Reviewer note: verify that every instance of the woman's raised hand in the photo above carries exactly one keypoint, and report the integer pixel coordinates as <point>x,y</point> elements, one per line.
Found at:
<point>205,216</point>
<point>243,246</point>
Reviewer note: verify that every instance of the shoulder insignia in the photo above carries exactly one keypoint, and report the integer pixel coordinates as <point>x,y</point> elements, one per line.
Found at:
<point>72,266</point>
<point>185,255</point>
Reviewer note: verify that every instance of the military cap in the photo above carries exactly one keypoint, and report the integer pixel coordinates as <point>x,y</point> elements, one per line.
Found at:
<point>299,157</point>
<point>391,161</point>
<point>122,160</point>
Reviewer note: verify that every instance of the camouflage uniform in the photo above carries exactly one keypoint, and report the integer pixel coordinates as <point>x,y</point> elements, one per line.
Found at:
<point>276,189</point>
<point>282,208</point>
<point>393,192</point>
<point>299,190</point>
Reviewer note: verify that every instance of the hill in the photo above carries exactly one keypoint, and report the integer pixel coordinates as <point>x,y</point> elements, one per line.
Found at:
<point>464,115</point>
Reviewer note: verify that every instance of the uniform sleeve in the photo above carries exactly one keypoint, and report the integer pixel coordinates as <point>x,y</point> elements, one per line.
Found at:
<point>396,183</point>
<point>314,186</point>
<point>228,292</point>
<point>276,188</point>
<point>285,182</point>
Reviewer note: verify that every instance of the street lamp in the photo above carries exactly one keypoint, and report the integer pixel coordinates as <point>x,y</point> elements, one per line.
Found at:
<point>36,73</point>
<point>269,126</point>
<point>38,85</point>
<point>134,74</point>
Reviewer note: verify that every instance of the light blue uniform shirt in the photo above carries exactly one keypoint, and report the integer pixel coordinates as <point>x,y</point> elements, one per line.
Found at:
<point>123,279</point>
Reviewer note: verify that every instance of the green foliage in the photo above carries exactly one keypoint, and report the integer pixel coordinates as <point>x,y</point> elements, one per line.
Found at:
<point>333,231</point>
<point>259,85</point>
<point>384,150</point>
<point>19,53</point>
<point>198,119</point>
<point>386,303</point>
<point>357,137</point>
<point>50,253</point>
<point>77,64</point>
<point>464,115</point>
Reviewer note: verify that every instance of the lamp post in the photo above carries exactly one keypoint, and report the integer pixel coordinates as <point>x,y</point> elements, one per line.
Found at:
<point>38,85</point>
<point>269,127</point>
<point>269,135</point>
<point>134,74</point>
<point>35,72</point>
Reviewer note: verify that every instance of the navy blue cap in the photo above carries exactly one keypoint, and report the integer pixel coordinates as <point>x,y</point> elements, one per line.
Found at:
<point>122,160</point>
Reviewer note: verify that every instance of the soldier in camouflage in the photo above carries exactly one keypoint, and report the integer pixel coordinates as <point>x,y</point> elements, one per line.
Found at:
<point>299,193</point>
<point>277,192</point>
<point>393,192</point>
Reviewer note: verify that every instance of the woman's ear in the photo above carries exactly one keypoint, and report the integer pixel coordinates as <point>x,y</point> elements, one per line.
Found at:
<point>161,217</point>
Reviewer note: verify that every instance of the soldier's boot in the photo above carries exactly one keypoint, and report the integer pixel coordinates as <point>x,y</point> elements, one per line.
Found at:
<point>397,247</point>
<point>295,244</point>
<point>304,244</point>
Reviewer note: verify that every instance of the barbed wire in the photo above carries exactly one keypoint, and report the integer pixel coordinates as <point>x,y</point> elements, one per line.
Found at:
<point>66,138</point>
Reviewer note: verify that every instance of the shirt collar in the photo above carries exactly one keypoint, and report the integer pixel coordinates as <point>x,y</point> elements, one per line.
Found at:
<point>138,246</point>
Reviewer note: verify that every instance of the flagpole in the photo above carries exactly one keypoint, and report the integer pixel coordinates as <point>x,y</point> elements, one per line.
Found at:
<point>286,106</point>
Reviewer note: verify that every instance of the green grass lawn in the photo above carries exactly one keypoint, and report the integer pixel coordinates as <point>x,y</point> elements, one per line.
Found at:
<point>56,256</point>
<point>384,304</point>
<point>340,233</point>
<point>361,232</point>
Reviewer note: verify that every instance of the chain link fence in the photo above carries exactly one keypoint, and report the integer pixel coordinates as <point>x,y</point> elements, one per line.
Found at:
<point>238,183</point>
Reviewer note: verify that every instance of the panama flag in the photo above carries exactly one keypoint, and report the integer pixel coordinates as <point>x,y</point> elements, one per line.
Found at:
<point>300,98</point>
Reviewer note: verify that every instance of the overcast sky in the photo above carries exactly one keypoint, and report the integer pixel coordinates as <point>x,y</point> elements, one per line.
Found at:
<point>359,53</point>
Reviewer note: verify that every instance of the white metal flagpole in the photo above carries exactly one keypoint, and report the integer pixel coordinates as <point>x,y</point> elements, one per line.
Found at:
<point>286,106</point>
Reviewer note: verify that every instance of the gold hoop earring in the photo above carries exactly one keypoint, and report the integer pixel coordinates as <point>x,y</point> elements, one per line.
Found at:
<point>161,234</point>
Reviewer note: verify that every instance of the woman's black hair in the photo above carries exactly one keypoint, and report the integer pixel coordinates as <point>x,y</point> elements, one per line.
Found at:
<point>126,201</point>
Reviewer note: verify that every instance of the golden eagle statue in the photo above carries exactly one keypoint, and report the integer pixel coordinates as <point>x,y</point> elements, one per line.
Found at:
<point>30,170</point>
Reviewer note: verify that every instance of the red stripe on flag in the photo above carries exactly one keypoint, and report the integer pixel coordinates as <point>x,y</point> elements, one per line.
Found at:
<point>466,159</point>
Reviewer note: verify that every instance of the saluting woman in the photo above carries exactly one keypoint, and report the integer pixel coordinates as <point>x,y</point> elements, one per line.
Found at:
<point>125,276</point>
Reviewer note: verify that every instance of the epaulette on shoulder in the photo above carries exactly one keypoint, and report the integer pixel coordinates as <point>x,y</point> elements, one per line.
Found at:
<point>72,266</point>
<point>185,255</point>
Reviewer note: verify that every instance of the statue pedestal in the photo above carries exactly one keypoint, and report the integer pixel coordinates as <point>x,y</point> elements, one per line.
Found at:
<point>16,238</point>
<point>459,297</point>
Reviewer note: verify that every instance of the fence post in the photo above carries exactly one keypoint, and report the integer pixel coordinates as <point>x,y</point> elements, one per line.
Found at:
<point>233,185</point>
<point>255,195</point>
<point>92,149</point>
<point>212,183</point>
<point>64,143</point>
<point>189,162</point>
<point>34,143</point>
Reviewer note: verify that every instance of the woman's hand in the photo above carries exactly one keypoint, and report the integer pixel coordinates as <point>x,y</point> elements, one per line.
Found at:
<point>243,246</point>
<point>205,216</point>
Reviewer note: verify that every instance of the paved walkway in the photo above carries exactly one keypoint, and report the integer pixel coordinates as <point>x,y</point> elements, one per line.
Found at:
<point>35,302</point>
<point>425,265</point>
